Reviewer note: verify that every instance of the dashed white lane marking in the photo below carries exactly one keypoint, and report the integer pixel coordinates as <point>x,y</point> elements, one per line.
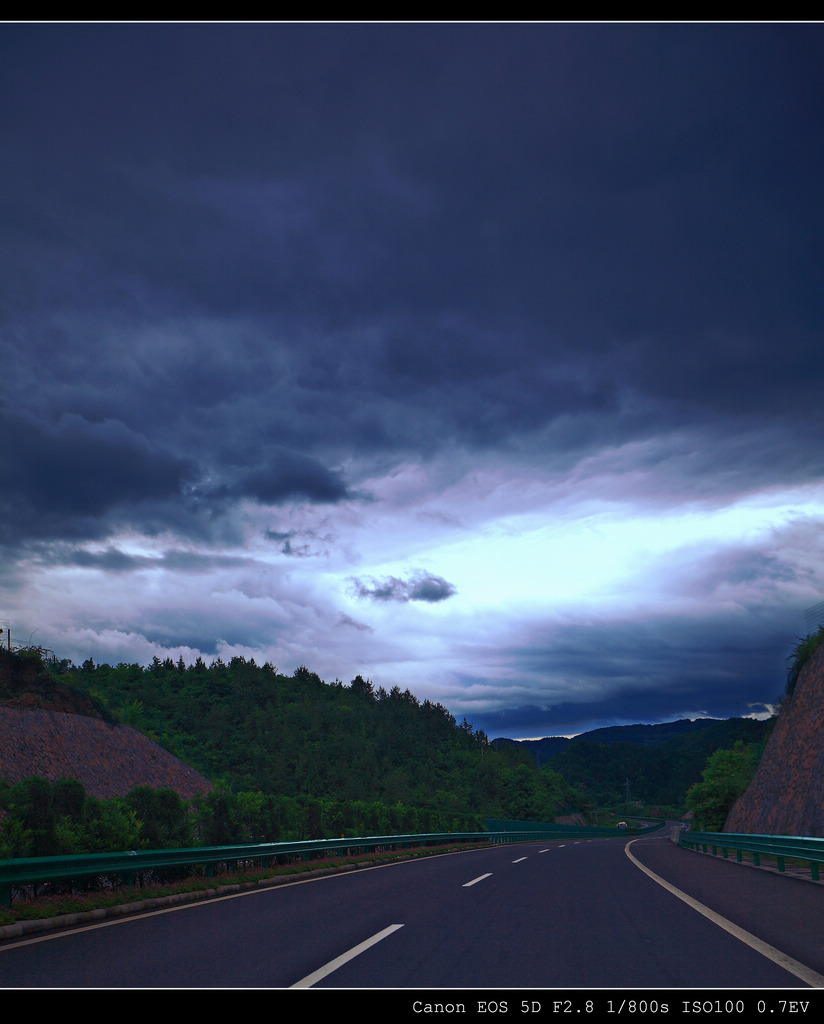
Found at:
<point>518,861</point>
<point>480,878</point>
<point>339,961</point>
<point>806,974</point>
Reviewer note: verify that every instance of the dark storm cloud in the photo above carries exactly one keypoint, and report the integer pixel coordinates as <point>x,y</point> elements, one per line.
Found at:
<point>443,232</point>
<point>420,586</point>
<point>621,707</point>
<point>298,266</point>
<point>720,665</point>
<point>69,476</point>
<point>204,630</point>
<point>291,475</point>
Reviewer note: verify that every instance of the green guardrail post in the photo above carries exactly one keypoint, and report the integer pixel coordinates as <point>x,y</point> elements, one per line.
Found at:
<point>780,861</point>
<point>814,870</point>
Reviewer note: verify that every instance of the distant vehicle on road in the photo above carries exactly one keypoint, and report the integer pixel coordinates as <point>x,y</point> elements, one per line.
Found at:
<point>622,825</point>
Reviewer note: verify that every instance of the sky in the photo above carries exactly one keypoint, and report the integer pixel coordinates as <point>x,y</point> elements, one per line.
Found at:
<point>482,360</point>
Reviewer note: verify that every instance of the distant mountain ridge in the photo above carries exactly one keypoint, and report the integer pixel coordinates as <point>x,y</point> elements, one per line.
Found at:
<point>653,764</point>
<point>646,735</point>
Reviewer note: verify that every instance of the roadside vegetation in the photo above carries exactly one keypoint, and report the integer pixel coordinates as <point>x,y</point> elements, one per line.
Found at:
<point>803,650</point>
<point>43,819</point>
<point>723,781</point>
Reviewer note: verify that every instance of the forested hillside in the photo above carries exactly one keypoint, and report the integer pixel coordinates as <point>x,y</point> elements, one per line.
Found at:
<point>653,772</point>
<point>254,729</point>
<point>291,756</point>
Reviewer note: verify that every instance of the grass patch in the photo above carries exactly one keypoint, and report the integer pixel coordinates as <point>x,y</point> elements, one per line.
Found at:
<point>801,654</point>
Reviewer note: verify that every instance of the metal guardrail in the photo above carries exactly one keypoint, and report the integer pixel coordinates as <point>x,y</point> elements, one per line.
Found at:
<point>810,850</point>
<point>25,871</point>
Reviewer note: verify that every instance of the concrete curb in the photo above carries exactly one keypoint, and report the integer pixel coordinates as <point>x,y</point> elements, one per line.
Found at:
<point>45,926</point>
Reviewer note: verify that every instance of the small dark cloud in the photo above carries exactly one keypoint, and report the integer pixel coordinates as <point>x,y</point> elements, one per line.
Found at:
<point>299,543</point>
<point>426,587</point>
<point>287,547</point>
<point>280,536</point>
<point>347,620</point>
<point>112,559</point>
<point>296,551</point>
<point>289,475</point>
<point>420,586</point>
<point>756,571</point>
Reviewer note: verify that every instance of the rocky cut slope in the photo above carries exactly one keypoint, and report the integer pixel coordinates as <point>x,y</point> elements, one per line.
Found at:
<point>786,797</point>
<point>49,730</point>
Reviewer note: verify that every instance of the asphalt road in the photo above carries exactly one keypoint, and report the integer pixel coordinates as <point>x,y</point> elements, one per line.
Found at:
<point>580,915</point>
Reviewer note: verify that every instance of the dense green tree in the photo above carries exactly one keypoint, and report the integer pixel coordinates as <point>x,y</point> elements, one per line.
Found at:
<point>43,819</point>
<point>726,777</point>
<point>69,798</point>
<point>32,805</point>
<point>112,826</point>
<point>165,817</point>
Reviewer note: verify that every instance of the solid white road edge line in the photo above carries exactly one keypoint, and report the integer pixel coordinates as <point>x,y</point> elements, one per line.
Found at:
<point>806,974</point>
<point>339,961</point>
